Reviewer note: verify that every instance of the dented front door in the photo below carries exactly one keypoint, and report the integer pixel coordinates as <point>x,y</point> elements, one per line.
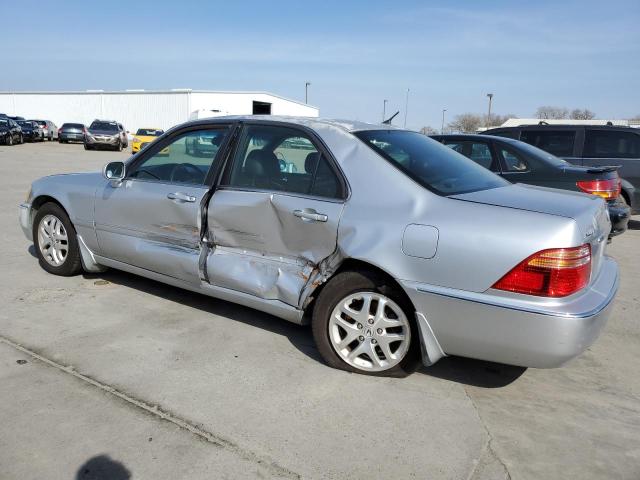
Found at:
<point>269,244</point>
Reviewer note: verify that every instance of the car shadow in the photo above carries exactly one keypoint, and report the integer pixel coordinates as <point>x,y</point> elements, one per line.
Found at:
<point>102,467</point>
<point>634,225</point>
<point>476,373</point>
<point>456,369</point>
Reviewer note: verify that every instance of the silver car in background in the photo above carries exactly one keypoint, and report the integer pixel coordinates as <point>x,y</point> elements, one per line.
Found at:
<point>394,247</point>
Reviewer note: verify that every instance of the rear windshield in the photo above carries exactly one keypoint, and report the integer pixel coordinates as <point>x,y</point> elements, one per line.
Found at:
<point>3,122</point>
<point>24,123</point>
<point>42,123</point>
<point>73,125</point>
<point>149,132</point>
<point>539,153</point>
<point>108,126</point>
<point>433,165</point>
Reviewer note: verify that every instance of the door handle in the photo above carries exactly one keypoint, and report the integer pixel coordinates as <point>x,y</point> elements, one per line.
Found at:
<point>310,215</point>
<point>181,197</point>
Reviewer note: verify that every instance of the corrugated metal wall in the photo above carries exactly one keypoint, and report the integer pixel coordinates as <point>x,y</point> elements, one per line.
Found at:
<point>137,109</point>
<point>133,110</point>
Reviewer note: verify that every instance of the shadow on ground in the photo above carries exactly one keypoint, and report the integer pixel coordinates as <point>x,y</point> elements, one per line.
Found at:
<point>456,369</point>
<point>634,224</point>
<point>102,467</point>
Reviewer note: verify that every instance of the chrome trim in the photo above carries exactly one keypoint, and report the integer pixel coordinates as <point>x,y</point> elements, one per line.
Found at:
<point>475,297</point>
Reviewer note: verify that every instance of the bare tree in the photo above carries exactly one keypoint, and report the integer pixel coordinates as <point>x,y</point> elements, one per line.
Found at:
<point>466,123</point>
<point>555,113</point>
<point>497,120</point>
<point>585,114</point>
<point>428,131</point>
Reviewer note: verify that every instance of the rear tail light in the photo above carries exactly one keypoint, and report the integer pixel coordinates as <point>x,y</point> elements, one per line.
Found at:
<point>556,272</point>
<point>607,189</point>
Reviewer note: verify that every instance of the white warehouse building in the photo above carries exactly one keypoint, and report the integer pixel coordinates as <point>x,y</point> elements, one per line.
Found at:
<point>146,108</point>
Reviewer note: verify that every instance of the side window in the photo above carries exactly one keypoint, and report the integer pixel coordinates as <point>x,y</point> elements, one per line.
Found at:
<point>513,161</point>
<point>611,144</point>
<point>479,152</point>
<point>558,142</point>
<point>187,159</point>
<point>282,159</point>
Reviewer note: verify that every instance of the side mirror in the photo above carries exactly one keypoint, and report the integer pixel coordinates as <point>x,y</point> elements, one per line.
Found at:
<point>114,171</point>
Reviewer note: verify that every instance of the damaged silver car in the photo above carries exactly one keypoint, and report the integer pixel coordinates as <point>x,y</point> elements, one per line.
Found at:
<point>395,248</point>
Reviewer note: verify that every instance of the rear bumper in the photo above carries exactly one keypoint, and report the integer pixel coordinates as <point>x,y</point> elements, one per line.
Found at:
<point>517,329</point>
<point>619,214</point>
<point>76,137</point>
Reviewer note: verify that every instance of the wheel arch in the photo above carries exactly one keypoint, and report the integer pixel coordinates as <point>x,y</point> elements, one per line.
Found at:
<point>357,265</point>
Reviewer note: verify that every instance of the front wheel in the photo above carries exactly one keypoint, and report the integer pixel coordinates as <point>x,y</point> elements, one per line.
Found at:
<point>361,323</point>
<point>9,140</point>
<point>55,241</point>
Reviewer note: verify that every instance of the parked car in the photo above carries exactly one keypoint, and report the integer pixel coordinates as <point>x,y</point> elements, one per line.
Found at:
<point>520,162</point>
<point>393,246</point>
<point>588,146</point>
<point>124,134</point>
<point>49,129</point>
<point>200,145</point>
<point>105,134</point>
<point>143,137</point>
<point>10,132</point>
<point>31,131</point>
<point>71,132</point>
<point>15,118</point>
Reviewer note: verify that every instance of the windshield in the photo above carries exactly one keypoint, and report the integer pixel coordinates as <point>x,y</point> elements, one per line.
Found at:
<point>42,123</point>
<point>430,163</point>
<point>3,122</point>
<point>539,153</point>
<point>23,123</point>
<point>149,132</point>
<point>108,126</point>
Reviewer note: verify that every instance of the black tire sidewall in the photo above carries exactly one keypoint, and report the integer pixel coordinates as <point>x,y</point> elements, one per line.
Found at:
<point>347,283</point>
<point>72,264</point>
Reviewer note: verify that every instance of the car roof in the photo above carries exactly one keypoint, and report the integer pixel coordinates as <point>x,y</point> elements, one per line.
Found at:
<point>310,122</point>
<point>477,136</point>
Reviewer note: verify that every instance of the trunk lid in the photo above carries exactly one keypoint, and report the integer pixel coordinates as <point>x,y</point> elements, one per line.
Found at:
<point>589,211</point>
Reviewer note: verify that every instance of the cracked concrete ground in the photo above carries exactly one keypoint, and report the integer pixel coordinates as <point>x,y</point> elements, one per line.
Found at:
<point>223,391</point>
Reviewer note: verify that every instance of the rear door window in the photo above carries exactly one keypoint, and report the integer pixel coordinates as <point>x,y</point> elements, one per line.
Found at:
<point>611,144</point>
<point>479,152</point>
<point>512,161</point>
<point>557,142</point>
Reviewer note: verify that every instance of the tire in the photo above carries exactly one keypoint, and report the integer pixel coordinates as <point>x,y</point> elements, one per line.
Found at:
<point>9,140</point>
<point>87,147</point>
<point>119,147</point>
<point>52,227</point>
<point>397,319</point>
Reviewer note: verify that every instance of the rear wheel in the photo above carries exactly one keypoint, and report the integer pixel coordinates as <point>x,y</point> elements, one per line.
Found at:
<point>55,241</point>
<point>87,147</point>
<point>9,140</point>
<point>361,323</point>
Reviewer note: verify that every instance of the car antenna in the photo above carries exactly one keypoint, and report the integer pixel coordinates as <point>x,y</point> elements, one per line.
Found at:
<point>388,120</point>
<point>542,122</point>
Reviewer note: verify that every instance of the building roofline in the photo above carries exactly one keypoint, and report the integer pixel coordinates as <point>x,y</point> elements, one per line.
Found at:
<point>152,92</point>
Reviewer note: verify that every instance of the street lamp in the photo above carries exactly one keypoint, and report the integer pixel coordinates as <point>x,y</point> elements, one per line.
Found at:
<point>384,109</point>
<point>306,92</point>
<point>442,127</point>
<point>490,95</point>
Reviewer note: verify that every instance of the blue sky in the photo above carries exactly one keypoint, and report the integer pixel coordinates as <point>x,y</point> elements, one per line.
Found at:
<point>575,54</point>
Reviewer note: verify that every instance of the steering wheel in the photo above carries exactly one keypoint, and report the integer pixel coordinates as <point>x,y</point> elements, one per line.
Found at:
<point>189,169</point>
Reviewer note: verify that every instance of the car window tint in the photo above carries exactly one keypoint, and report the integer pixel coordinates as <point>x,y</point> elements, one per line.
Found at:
<point>512,160</point>
<point>187,159</point>
<point>557,142</point>
<point>433,165</point>
<point>282,159</point>
<point>515,134</point>
<point>479,152</point>
<point>611,144</point>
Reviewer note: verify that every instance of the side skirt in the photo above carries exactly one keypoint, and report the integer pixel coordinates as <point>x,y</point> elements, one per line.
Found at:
<point>272,307</point>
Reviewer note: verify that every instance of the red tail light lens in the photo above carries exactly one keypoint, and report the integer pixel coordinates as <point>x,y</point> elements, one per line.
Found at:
<point>607,189</point>
<point>557,272</point>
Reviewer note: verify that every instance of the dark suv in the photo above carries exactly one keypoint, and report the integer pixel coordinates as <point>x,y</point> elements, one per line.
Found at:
<point>588,145</point>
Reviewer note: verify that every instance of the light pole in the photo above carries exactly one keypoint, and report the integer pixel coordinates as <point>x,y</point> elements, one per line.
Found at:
<point>442,127</point>
<point>306,92</point>
<point>406,108</point>
<point>490,95</point>
<point>384,109</point>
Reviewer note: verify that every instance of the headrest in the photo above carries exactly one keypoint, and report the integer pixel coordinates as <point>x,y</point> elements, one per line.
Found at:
<point>261,163</point>
<point>311,162</point>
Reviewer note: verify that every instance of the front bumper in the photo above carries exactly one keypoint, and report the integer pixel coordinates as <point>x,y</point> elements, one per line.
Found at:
<point>26,220</point>
<point>517,329</point>
<point>106,141</point>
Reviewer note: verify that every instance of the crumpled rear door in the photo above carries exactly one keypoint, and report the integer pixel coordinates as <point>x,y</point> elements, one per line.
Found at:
<point>269,244</point>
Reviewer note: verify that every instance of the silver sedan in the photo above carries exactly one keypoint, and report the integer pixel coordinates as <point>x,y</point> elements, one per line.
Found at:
<point>396,249</point>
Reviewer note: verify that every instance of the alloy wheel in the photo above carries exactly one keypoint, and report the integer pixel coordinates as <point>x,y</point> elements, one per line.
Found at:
<point>369,331</point>
<point>53,240</point>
